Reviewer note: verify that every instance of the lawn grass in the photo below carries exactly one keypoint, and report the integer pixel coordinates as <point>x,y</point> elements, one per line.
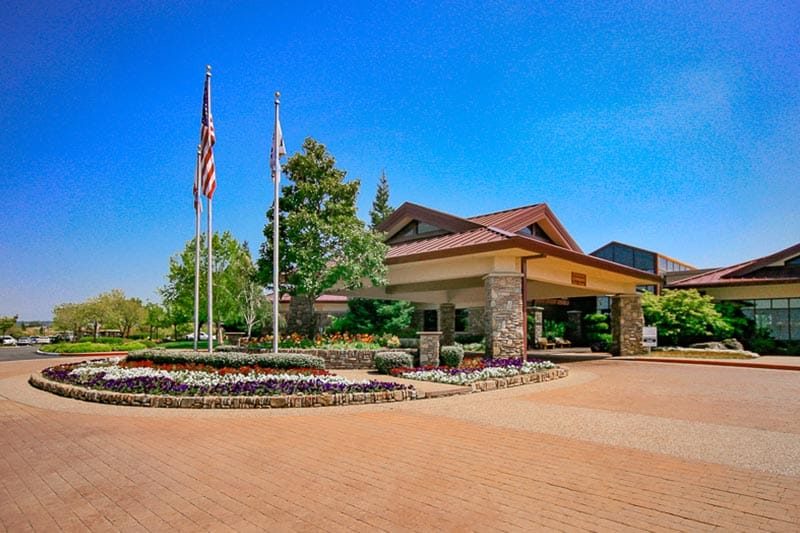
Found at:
<point>92,347</point>
<point>185,345</point>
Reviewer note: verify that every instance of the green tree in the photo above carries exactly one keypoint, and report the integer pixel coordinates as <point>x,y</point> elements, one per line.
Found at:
<point>233,268</point>
<point>322,241</point>
<point>684,316</point>
<point>7,322</point>
<point>155,318</point>
<point>365,315</point>
<point>380,205</point>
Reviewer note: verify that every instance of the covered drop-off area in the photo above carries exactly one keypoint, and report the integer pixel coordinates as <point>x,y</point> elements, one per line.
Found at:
<point>500,263</point>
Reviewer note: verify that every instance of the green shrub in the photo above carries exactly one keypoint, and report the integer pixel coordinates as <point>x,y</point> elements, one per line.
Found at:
<point>451,356</point>
<point>474,347</point>
<point>103,340</point>
<point>385,361</point>
<point>183,345</point>
<point>92,347</point>
<point>230,359</point>
<point>469,338</point>
<point>684,317</point>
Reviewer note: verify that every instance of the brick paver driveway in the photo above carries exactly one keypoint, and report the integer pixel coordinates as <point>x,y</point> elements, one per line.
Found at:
<point>616,446</point>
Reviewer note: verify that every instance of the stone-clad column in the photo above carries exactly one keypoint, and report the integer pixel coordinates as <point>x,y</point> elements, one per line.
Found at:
<point>627,322</point>
<point>475,323</point>
<point>504,315</point>
<point>429,348</point>
<point>538,323</point>
<point>447,323</point>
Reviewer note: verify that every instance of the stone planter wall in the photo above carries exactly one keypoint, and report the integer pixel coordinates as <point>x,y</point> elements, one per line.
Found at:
<point>218,402</point>
<point>342,359</point>
<point>522,379</point>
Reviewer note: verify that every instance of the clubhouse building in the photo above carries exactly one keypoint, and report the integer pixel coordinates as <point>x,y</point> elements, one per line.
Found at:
<point>498,263</point>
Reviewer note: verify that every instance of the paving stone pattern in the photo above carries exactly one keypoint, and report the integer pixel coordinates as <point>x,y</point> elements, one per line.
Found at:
<point>448,464</point>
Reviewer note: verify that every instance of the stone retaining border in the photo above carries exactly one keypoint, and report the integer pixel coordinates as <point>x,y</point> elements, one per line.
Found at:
<point>218,402</point>
<point>521,379</point>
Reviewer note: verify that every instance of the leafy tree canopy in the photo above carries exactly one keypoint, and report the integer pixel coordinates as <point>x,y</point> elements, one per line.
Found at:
<point>233,269</point>
<point>684,316</point>
<point>7,322</point>
<point>365,315</point>
<point>322,241</point>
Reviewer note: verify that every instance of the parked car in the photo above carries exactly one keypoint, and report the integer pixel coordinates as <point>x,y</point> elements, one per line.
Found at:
<point>24,341</point>
<point>203,336</point>
<point>43,340</point>
<point>8,340</point>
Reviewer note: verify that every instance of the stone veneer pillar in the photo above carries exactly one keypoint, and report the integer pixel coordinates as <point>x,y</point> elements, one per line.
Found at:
<point>475,322</point>
<point>627,322</point>
<point>447,323</point>
<point>538,323</point>
<point>504,315</point>
<point>429,348</point>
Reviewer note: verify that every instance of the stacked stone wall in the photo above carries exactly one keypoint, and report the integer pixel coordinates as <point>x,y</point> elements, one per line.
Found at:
<point>627,321</point>
<point>504,316</point>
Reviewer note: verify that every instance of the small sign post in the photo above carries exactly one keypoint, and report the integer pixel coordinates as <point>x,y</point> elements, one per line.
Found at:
<point>649,337</point>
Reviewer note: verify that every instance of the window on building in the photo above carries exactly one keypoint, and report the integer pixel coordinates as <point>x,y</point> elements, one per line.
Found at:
<point>536,231</point>
<point>781,316</point>
<point>603,304</point>
<point>430,320</point>
<point>644,261</point>
<point>462,319</point>
<point>623,255</point>
<point>795,261</point>
<point>416,230</point>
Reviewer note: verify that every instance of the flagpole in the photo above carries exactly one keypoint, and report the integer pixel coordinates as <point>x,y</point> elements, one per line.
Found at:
<point>210,283</point>
<point>210,246</point>
<point>197,203</point>
<point>275,213</point>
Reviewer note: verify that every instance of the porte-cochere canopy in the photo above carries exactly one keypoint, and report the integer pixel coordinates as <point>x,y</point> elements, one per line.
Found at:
<point>439,258</point>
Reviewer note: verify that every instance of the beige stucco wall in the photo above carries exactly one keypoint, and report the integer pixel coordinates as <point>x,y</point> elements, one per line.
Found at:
<point>754,292</point>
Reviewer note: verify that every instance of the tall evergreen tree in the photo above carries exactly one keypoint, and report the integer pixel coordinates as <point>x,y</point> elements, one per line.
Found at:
<point>380,206</point>
<point>322,240</point>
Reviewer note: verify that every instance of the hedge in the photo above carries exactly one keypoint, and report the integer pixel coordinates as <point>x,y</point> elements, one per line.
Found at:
<point>230,359</point>
<point>451,356</point>
<point>385,361</point>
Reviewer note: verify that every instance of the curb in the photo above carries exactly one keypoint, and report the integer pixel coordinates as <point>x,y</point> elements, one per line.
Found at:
<point>713,362</point>
<point>97,354</point>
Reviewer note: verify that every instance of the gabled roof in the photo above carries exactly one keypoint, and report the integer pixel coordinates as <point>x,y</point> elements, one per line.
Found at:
<point>514,220</point>
<point>762,270</point>
<point>492,231</point>
<point>410,211</point>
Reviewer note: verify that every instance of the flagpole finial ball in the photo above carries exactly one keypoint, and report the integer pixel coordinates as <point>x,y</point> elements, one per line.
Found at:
<point>208,69</point>
<point>277,95</point>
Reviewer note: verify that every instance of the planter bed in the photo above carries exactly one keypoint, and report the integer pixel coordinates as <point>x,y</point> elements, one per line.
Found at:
<point>144,382</point>
<point>487,375</point>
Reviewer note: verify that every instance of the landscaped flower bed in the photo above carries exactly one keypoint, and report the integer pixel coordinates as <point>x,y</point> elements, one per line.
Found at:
<point>229,359</point>
<point>117,376</point>
<point>480,371</point>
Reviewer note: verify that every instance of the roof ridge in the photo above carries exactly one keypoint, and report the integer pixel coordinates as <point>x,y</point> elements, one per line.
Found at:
<point>506,210</point>
<point>729,268</point>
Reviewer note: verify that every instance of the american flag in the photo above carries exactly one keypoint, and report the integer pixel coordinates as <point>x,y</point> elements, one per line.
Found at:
<point>208,173</point>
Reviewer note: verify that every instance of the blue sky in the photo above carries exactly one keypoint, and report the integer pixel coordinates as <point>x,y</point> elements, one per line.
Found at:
<point>674,127</point>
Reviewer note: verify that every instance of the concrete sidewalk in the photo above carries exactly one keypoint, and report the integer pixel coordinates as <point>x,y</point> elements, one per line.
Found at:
<point>767,362</point>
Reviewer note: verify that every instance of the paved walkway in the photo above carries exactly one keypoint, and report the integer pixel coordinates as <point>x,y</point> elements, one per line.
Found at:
<point>613,447</point>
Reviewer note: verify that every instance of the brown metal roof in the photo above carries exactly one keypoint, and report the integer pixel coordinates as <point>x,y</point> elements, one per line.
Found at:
<point>753,272</point>
<point>510,219</point>
<point>446,242</point>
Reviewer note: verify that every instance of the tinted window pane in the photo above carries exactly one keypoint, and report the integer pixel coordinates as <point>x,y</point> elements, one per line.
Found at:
<point>762,304</point>
<point>644,261</point>
<point>624,256</point>
<point>780,303</point>
<point>794,330</point>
